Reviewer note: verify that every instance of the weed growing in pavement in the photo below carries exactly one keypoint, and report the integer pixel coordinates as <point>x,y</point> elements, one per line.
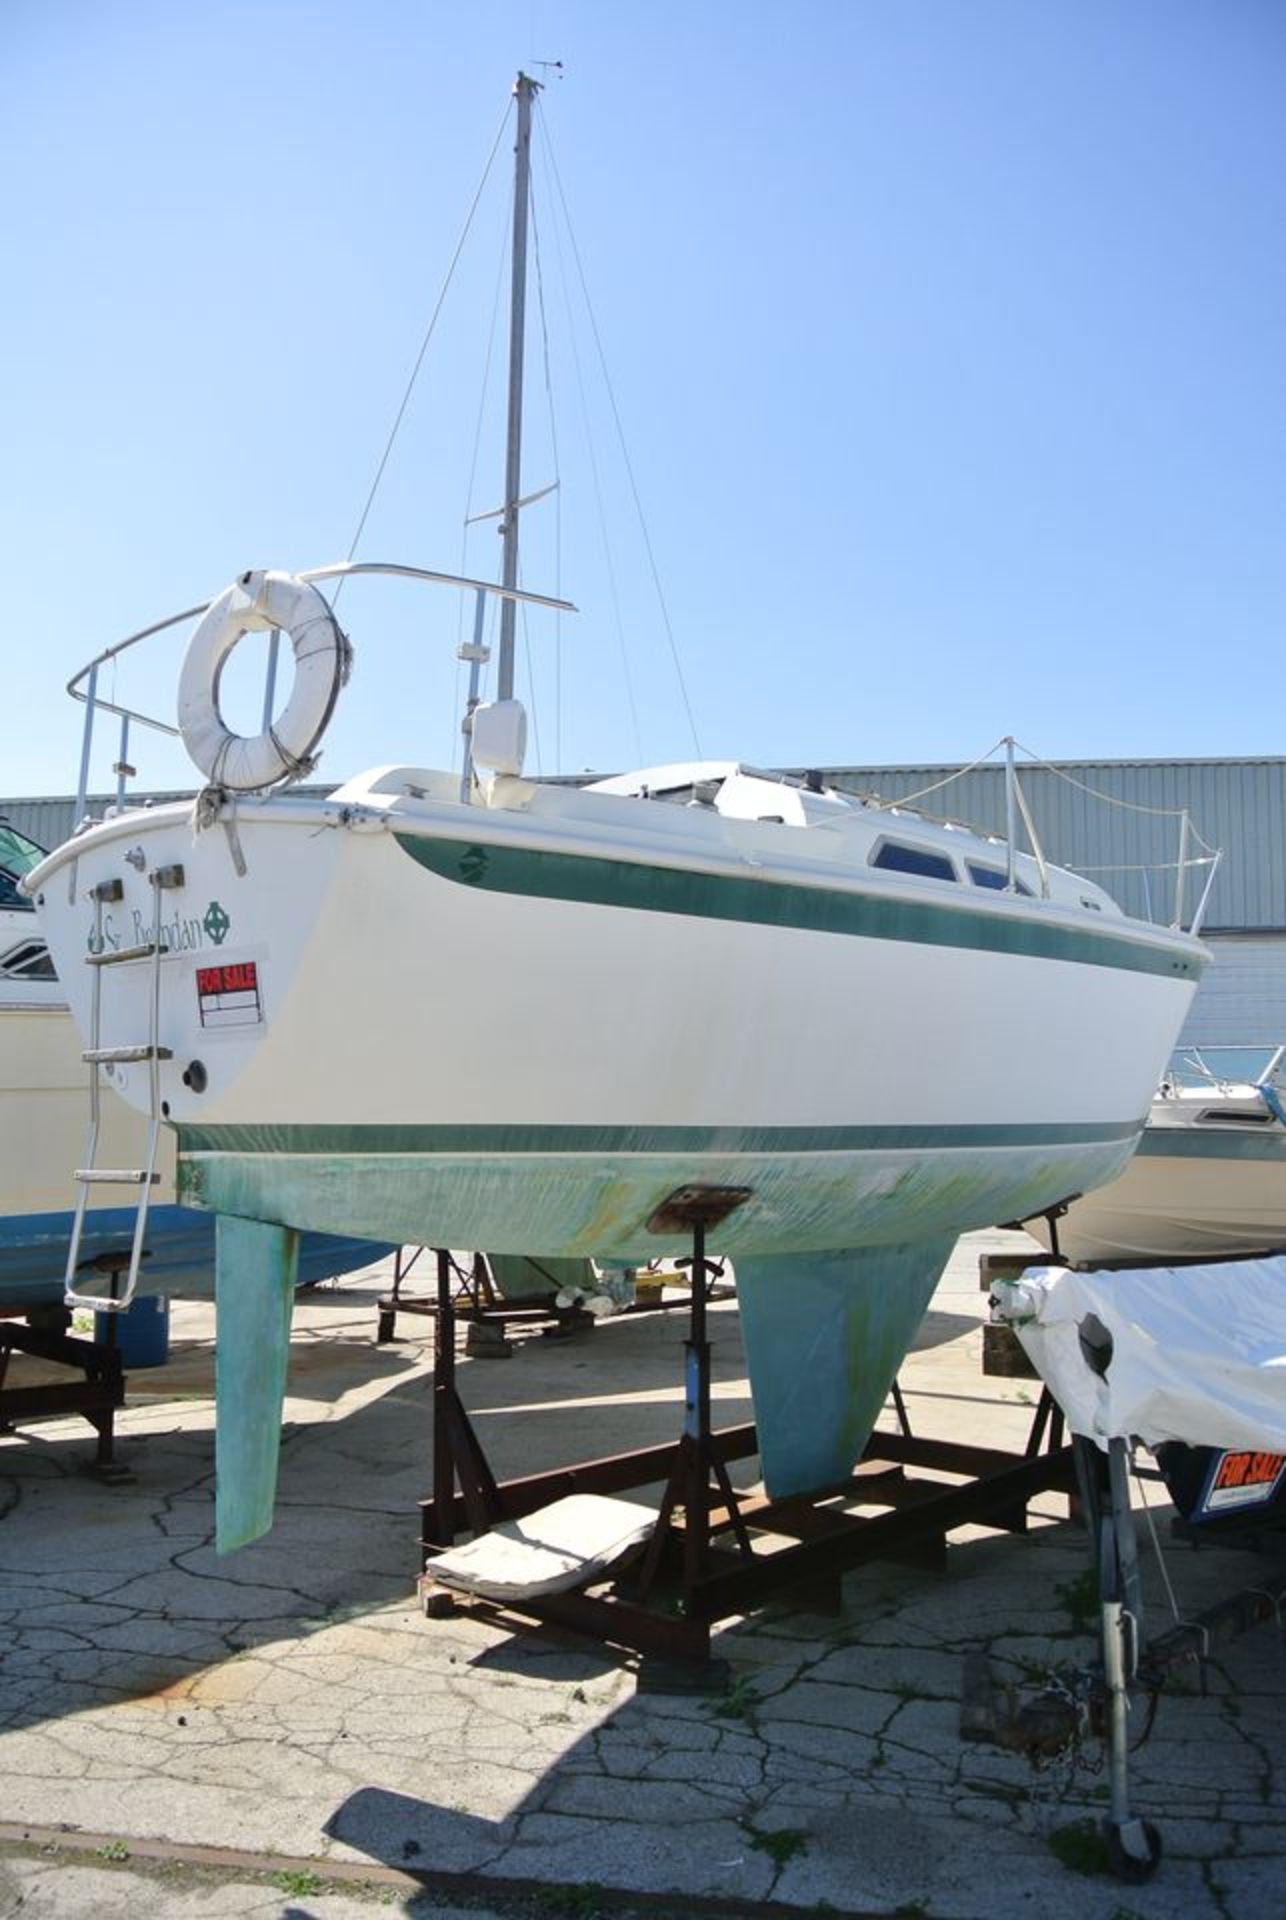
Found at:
<point>1080,1597</point>
<point>299,1882</point>
<point>781,1845</point>
<point>1080,1847</point>
<point>576,1903</point>
<point>113,1850</point>
<point>738,1703</point>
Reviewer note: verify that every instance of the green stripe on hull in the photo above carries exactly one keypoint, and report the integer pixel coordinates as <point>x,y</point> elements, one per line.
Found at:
<point>595,1141</point>
<point>586,879</point>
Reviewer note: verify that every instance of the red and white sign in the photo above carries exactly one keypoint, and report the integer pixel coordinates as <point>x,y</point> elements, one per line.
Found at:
<point>228,996</point>
<point>1243,1479</point>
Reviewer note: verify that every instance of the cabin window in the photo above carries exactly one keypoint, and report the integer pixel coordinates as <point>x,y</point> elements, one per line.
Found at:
<point>10,898</point>
<point>1248,1117</point>
<point>899,856</point>
<point>28,962</point>
<point>994,877</point>
<point>18,854</point>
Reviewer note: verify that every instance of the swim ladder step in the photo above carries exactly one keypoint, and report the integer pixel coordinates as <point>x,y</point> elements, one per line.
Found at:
<point>118,956</point>
<point>96,1056</point>
<point>117,1176</point>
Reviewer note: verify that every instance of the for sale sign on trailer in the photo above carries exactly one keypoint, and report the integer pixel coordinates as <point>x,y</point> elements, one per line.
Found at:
<point>228,996</point>
<point>1242,1479</point>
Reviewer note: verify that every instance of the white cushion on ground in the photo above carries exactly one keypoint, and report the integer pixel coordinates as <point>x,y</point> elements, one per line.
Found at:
<point>564,1545</point>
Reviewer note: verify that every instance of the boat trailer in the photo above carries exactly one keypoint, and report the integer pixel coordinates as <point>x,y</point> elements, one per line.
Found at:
<point>1127,1661</point>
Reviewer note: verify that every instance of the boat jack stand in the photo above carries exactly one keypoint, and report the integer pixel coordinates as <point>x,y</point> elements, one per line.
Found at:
<point>697,1460</point>
<point>456,1449</point>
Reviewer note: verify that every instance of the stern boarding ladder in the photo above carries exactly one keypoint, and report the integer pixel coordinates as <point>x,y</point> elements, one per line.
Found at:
<point>96,1055</point>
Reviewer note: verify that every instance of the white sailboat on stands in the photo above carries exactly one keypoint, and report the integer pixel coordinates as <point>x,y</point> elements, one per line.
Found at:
<point>855,1032</point>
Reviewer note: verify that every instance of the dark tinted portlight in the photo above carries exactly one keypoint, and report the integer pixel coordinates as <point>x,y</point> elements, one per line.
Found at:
<point>993,877</point>
<point>898,856</point>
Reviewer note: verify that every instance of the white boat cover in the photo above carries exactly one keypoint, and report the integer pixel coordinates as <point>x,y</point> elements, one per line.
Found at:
<point>1198,1353</point>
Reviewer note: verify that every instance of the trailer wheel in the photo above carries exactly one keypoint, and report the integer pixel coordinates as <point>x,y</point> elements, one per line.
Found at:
<point>1133,1850</point>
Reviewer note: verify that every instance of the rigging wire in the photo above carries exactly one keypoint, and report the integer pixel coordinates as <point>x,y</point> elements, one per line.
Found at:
<point>608,560</point>
<point>625,454</point>
<point>1111,799</point>
<point>1045,766</point>
<point>424,345</point>
<point>472,484</point>
<point>558,482</point>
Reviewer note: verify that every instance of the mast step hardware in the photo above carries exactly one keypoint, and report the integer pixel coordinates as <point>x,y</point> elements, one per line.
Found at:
<point>117,1176</point>
<point>108,891</point>
<point>167,878</point>
<point>97,1055</point>
<point>116,957</point>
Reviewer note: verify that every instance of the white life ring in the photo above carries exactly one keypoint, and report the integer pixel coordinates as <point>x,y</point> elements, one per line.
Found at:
<point>258,602</point>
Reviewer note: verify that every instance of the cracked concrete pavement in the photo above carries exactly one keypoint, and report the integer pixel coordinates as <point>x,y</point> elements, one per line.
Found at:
<point>290,1700</point>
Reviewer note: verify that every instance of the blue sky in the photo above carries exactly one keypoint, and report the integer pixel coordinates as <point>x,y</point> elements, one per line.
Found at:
<point>946,339</point>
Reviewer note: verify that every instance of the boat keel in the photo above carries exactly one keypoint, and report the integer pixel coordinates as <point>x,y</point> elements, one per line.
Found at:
<point>255,1271</point>
<point>825,1334</point>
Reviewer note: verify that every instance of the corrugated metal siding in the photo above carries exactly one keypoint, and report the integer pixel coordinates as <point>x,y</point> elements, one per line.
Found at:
<point>1241,1001</point>
<point>1238,805</point>
<point>49,822</point>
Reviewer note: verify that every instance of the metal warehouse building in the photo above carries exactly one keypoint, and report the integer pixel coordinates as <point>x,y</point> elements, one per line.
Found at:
<point>1118,822</point>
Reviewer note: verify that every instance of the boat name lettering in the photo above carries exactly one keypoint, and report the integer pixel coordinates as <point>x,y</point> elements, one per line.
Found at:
<point>110,940</point>
<point>177,936</point>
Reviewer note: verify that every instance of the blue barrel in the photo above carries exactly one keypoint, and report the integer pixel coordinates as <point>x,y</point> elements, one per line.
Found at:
<point>142,1332</point>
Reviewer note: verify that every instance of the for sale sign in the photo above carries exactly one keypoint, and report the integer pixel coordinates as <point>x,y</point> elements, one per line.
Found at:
<point>228,996</point>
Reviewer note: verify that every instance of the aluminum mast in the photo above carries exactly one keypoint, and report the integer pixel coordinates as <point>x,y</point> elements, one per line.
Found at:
<point>525,90</point>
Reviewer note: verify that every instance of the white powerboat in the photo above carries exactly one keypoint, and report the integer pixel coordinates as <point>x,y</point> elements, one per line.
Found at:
<point>490,1012</point>
<point>1207,1181</point>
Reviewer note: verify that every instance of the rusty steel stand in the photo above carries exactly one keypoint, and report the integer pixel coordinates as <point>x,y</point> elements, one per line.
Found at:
<point>97,1395</point>
<point>699,1501</point>
<point>456,1449</point>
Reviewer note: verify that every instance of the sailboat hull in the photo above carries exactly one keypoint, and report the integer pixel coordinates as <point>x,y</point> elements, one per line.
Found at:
<point>444,1026</point>
<point>522,1029</point>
